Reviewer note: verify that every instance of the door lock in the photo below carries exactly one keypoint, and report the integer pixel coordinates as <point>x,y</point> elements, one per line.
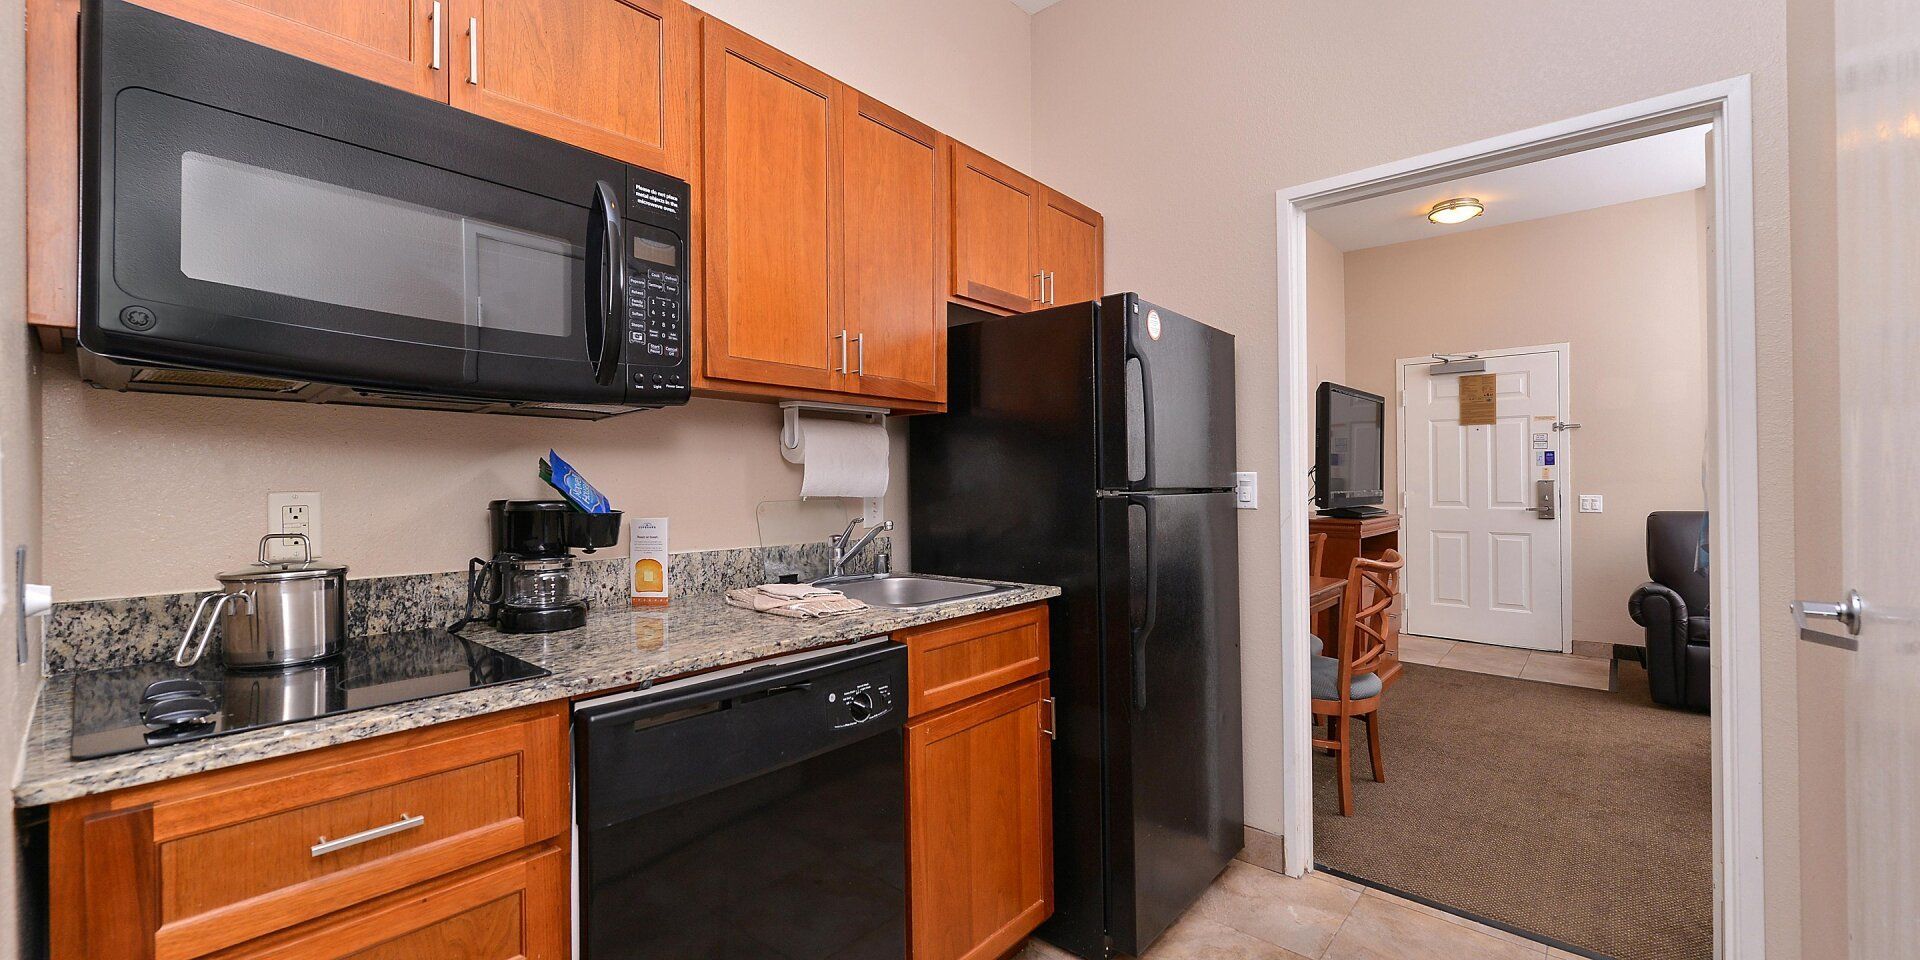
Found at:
<point>1848,613</point>
<point>1544,499</point>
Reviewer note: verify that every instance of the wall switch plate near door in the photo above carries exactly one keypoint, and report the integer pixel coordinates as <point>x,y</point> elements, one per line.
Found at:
<point>293,513</point>
<point>1591,503</point>
<point>1246,490</point>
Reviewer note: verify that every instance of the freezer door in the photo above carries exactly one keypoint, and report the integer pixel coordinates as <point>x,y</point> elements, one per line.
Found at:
<point>1172,628</point>
<point>1166,399</point>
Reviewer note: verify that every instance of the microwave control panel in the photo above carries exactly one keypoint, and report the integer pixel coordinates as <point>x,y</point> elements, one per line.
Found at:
<point>658,361</point>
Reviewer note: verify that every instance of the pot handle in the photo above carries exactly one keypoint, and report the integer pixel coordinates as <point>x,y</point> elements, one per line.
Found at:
<point>306,547</point>
<point>181,658</point>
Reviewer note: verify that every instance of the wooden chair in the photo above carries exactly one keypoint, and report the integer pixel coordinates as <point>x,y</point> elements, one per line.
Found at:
<point>1347,682</point>
<point>1316,553</point>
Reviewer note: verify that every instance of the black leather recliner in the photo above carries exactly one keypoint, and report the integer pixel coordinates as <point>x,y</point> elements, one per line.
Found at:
<point>1673,609</point>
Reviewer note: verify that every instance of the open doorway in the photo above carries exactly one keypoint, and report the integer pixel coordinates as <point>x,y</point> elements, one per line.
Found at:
<point>1526,716</point>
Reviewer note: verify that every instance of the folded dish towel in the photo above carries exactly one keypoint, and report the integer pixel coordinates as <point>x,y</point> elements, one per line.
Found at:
<point>794,600</point>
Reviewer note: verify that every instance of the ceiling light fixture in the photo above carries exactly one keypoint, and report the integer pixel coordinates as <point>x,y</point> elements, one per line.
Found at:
<point>1457,210</point>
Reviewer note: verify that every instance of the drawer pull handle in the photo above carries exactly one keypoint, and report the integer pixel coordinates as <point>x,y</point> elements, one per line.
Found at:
<point>401,825</point>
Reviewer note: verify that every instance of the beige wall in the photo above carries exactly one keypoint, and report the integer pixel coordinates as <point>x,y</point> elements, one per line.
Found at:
<point>19,458</point>
<point>1179,121</point>
<point>1326,312</point>
<point>157,493</point>
<point>1622,286</point>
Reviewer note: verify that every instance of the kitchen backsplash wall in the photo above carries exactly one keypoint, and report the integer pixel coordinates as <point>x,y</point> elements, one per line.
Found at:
<point>95,634</point>
<point>155,494</point>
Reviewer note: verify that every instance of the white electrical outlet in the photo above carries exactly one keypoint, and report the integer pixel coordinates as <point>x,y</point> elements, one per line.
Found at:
<point>1591,503</point>
<point>874,510</point>
<point>293,513</point>
<point>1246,490</point>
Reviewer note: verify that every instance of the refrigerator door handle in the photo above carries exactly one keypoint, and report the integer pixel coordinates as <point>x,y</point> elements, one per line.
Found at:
<point>1144,456</point>
<point>1143,628</point>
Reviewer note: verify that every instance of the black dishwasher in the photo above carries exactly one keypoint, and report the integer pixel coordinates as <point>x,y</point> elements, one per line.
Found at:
<point>757,812</point>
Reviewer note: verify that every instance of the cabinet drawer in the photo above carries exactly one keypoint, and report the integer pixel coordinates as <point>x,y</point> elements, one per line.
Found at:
<point>950,662</point>
<point>207,862</point>
<point>517,910</point>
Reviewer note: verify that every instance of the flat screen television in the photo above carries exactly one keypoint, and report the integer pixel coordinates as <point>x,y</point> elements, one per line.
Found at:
<point>1350,452</point>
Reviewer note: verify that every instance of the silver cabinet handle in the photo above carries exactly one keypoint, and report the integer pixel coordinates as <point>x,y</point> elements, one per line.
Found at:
<point>435,17</point>
<point>860,356</point>
<point>473,50</point>
<point>1052,721</point>
<point>401,825</point>
<point>1040,283</point>
<point>1051,286</point>
<point>842,337</point>
<point>1848,613</point>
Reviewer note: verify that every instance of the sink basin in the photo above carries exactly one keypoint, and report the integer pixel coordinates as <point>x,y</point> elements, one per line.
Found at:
<point>904,591</point>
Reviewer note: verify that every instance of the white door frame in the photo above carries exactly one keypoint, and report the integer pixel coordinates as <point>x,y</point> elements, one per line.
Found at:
<point>1565,363</point>
<point>1734,500</point>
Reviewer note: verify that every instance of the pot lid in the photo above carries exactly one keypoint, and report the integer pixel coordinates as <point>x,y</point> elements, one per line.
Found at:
<point>305,568</point>
<point>263,572</point>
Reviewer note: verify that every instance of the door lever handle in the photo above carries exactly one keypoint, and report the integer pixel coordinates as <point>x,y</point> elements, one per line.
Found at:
<point>1848,613</point>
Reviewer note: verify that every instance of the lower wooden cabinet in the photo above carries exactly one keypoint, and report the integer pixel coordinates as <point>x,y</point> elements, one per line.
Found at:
<point>513,910</point>
<point>980,824</point>
<point>190,868</point>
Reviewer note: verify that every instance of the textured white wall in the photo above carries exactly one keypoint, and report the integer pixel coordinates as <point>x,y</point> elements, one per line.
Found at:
<point>1179,121</point>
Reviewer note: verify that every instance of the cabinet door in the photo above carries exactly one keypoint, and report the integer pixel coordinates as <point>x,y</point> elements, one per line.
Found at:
<point>995,210</point>
<point>980,843</point>
<point>401,43</point>
<point>611,76</point>
<point>772,289</point>
<point>893,227</point>
<point>1070,253</point>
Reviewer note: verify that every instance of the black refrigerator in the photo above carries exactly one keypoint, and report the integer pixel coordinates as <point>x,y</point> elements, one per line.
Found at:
<point>1091,446</point>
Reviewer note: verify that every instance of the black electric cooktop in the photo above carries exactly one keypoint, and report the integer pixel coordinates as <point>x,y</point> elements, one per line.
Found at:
<point>155,704</point>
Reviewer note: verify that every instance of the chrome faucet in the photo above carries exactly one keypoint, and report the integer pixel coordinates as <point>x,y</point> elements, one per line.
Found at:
<point>842,553</point>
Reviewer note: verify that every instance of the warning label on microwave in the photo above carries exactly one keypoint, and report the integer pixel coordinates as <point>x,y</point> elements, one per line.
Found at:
<point>661,200</point>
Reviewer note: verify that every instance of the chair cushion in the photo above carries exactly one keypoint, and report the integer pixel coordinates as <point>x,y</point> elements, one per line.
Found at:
<point>1699,630</point>
<point>1319,646</point>
<point>1326,681</point>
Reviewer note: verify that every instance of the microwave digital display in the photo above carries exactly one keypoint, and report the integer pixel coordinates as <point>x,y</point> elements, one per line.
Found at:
<point>653,251</point>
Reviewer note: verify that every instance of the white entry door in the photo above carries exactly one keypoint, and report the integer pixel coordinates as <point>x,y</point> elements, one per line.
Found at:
<point>1877,56</point>
<point>1483,562</point>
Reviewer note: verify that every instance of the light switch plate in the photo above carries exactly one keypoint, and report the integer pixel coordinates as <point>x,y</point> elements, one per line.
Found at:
<point>1591,503</point>
<point>1246,490</point>
<point>293,513</point>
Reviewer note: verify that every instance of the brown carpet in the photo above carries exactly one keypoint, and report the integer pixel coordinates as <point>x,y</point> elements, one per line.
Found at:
<point>1582,815</point>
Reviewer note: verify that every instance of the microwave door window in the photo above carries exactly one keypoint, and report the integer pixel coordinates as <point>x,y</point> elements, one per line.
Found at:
<point>275,232</point>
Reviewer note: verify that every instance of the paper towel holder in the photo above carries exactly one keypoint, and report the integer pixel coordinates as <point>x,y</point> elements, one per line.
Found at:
<point>792,445</point>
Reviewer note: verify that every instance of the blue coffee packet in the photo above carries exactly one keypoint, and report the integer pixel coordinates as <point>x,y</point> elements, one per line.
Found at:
<point>563,477</point>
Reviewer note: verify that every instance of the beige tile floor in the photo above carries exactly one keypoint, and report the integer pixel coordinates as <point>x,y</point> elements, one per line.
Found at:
<point>1560,668</point>
<point>1255,914</point>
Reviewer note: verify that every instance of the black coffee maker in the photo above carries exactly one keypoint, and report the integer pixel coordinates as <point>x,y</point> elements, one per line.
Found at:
<point>531,585</point>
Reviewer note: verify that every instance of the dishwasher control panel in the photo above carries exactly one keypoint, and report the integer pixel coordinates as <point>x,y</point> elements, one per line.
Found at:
<point>860,703</point>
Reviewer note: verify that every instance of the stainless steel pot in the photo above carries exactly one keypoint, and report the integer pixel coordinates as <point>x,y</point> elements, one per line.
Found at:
<point>272,614</point>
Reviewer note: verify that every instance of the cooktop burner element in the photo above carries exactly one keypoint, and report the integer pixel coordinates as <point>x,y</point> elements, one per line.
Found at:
<point>155,704</point>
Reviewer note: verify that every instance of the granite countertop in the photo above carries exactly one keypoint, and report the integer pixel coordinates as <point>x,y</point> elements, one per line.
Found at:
<point>617,648</point>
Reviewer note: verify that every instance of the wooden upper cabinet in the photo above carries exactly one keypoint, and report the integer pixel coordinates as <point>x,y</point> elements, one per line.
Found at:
<point>611,76</point>
<point>772,311</point>
<point>979,822</point>
<point>893,223</point>
<point>995,212</point>
<point>386,41</point>
<point>1070,251</point>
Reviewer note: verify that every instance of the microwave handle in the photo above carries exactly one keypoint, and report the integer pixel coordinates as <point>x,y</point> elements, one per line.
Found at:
<point>606,284</point>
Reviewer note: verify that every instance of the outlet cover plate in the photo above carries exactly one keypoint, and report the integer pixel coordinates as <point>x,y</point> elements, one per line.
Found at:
<point>293,513</point>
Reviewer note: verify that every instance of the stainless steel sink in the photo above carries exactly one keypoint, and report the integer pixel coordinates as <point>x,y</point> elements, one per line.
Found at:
<point>904,591</point>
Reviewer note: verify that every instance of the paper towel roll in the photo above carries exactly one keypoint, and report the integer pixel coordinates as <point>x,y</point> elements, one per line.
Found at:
<point>844,458</point>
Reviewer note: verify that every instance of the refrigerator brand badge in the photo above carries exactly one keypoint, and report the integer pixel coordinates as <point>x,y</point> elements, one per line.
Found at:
<point>1153,324</point>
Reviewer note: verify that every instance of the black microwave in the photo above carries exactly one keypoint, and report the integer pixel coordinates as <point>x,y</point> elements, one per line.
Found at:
<point>254,224</point>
